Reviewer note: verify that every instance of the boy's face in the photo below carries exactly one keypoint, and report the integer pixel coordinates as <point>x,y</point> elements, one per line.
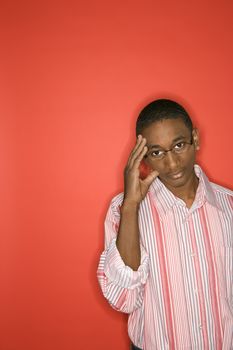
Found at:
<point>176,168</point>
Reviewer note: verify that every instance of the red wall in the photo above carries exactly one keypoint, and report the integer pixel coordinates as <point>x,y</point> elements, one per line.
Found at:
<point>73,76</point>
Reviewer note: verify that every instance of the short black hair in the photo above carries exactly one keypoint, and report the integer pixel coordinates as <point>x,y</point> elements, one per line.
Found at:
<point>162,109</point>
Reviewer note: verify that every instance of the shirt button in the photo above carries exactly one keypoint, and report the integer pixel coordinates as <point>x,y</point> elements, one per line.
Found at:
<point>200,326</point>
<point>192,254</point>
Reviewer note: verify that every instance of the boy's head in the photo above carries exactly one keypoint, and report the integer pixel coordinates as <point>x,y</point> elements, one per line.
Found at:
<point>159,110</point>
<point>171,142</point>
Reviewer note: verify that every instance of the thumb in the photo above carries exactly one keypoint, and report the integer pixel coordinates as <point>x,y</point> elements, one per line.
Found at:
<point>151,177</point>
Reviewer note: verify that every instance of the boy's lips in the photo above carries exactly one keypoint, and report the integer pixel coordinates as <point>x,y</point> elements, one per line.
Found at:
<point>176,175</point>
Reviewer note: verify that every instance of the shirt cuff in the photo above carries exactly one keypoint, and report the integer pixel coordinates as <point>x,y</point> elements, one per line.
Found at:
<point>122,275</point>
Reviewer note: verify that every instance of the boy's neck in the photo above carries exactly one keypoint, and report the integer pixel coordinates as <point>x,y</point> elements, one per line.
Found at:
<point>188,192</point>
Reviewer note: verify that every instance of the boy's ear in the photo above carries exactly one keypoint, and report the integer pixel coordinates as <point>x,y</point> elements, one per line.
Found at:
<point>196,139</point>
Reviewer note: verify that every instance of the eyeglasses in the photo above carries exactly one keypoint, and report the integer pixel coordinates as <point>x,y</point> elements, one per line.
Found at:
<point>178,148</point>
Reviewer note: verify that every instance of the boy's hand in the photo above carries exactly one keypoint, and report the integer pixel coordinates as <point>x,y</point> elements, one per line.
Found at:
<point>135,188</point>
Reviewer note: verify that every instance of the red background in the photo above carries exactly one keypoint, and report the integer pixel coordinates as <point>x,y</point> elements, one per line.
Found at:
<point>73,76</point>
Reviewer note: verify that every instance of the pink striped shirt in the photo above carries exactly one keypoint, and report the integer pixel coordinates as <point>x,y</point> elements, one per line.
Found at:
<point>181,296</point>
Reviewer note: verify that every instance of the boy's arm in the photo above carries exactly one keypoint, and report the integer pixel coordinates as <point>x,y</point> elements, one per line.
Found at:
<point>135,189</point>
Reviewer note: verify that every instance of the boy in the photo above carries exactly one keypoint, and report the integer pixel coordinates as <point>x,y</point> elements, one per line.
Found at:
<point>168,258</point>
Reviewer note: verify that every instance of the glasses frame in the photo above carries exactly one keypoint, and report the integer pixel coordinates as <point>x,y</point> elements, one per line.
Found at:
<point>172,149</point>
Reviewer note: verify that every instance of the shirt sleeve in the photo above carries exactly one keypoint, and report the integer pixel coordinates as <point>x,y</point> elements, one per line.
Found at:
<point>122,286</point>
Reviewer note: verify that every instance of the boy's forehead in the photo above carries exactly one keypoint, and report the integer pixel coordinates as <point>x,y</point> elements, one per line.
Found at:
<point>164,133</point>
<point>166,126</point>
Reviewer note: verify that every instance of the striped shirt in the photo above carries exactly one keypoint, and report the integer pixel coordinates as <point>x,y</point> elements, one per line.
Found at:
<point>181,296</point>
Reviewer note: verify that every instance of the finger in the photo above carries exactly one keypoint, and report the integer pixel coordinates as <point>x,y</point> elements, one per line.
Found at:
<point>136,147</point>
<point>135,162</point>
<point>150,178</point>
<point>137,152</point>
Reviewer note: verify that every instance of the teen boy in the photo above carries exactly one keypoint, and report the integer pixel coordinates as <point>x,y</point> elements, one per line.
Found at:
<point>168,258</point>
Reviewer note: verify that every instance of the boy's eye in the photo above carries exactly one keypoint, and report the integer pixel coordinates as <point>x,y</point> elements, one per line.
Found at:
<point>179,145</point>
<point>157,153</point>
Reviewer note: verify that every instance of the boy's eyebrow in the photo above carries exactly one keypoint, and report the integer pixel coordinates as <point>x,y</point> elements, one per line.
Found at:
<point>179,138</point>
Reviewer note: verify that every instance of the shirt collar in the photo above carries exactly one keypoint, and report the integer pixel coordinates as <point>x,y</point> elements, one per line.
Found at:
<point>165,199</point>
